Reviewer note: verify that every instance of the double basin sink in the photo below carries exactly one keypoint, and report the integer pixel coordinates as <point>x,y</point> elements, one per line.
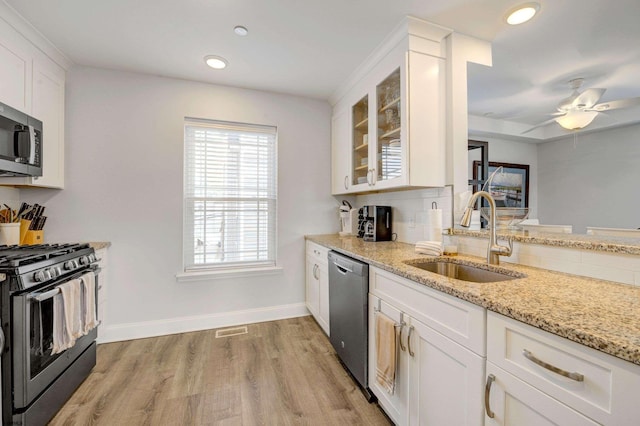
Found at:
<point>463,272</point>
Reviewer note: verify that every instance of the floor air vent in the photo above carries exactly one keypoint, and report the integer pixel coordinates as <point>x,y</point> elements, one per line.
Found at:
<point>234,331</point>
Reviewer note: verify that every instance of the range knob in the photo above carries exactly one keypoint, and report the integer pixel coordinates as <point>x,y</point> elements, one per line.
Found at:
<point>84,260</point>
<point>39,276</point>
<point>92,258</point>
<point>54,271</point>
<point>47,274</point>
<point>70,265</point>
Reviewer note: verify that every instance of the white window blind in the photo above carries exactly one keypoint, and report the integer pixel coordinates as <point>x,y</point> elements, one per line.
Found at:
<point>230,195</point>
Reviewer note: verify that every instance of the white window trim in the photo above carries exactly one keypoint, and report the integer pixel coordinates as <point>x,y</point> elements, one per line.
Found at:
<point>226,272</point>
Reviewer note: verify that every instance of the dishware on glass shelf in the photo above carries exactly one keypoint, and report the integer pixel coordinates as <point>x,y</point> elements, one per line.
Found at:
<point>389,116</point>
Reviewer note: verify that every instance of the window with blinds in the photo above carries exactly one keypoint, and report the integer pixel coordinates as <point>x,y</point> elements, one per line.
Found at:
<point>230,195</point>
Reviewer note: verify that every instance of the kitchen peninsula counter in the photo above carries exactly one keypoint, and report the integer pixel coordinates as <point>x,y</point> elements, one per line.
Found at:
<point>603,315</point>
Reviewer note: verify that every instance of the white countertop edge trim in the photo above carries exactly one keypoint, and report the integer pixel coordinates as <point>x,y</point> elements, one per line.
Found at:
<point>227,274</point>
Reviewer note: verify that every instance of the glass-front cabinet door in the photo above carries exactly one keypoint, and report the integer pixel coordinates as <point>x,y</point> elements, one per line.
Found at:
<point>388,162</point>
<point>360,142</point>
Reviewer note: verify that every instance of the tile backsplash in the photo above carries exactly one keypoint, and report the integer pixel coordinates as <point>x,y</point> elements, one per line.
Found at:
<point>409,209</point>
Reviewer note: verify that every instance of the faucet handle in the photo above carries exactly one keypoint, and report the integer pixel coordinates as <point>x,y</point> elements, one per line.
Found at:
<point>508,250</point>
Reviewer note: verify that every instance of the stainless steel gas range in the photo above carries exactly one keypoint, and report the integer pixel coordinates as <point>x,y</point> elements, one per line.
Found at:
<point>35,381</point>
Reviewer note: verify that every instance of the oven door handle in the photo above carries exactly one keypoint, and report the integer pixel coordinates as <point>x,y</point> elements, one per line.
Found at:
<point>1,340</point>
<point>44,296</point>
<point>37,296</point>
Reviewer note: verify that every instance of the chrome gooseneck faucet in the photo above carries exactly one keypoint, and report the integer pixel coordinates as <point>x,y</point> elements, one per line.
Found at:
<point>494,251</point>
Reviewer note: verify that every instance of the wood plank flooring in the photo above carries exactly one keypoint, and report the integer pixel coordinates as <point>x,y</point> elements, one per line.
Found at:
<point>279,373</point>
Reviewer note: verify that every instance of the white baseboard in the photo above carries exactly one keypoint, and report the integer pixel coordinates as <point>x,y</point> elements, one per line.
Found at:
<point>140,330</point>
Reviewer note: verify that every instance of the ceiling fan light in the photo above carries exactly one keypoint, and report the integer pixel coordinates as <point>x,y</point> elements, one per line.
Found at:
<point>522,13</point>
<point>575,120</point>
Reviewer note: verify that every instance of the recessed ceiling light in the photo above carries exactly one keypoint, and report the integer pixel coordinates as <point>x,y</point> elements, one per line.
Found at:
<point>240,30</point>
<point>522,13</point>
<point>216,62</point>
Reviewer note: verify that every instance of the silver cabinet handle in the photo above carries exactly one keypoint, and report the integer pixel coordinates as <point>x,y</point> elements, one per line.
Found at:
<point>346,182</point>
<point>315,270</point>
<point>409,341</point>
<point>487,392</point>
<point>374,177</point>
<point>401,345</point>
<point>369,174</point>
<point>573,376</point>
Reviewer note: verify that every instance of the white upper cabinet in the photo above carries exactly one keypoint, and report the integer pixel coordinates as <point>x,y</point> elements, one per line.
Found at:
<point>389,122</point>
<point>48,106</point>
<point>15,71</point>
<point>32,82</point>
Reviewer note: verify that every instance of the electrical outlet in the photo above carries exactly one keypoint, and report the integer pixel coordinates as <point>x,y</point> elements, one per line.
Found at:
<point>412,223</point>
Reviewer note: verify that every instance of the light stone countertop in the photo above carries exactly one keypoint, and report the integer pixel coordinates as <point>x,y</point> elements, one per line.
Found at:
<point>600,314</point>
<point>97,245</point>
<point>609,244</point>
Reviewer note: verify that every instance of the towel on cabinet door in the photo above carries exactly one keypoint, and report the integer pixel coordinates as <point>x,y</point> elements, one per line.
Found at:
<point>386,352</point>
<point>89,320</point>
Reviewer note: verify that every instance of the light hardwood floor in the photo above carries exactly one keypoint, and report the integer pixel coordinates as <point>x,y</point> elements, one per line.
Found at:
<point>279,373</point>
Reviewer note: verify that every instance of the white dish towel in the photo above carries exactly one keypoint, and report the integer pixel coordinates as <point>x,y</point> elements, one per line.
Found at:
<point>90,321</point>
<point>67,318</point>
<point>431,248</point>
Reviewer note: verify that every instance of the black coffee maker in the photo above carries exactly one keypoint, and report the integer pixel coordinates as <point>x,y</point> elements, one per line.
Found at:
<point>374,223</point>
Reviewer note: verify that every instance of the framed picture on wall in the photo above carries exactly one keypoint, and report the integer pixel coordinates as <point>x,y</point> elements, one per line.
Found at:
<point>510,188</point>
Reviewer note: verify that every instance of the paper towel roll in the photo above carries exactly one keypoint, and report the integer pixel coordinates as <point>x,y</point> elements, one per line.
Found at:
<point>433,227</point>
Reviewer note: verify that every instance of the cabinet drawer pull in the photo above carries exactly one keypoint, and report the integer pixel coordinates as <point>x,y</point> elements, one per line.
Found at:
<point>315,270</point>
<point>487,393</point>
<point>409,341</point>
<point>401,345</point>
<point>346,180</point>
<point>573,376</point>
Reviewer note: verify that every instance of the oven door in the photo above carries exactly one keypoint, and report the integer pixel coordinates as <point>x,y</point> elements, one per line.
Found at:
<point>34,367</point>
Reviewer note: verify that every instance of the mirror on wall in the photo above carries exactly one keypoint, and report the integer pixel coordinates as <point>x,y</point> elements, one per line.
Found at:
<point>580,179</point>
<point>587,181</point>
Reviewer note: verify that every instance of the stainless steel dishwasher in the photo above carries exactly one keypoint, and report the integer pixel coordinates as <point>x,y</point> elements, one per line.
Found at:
<point>348,295</point>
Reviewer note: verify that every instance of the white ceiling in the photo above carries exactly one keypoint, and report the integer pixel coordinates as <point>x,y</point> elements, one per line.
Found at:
<point>308,48</point>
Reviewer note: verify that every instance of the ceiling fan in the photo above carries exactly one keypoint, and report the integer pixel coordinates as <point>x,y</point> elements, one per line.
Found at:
<point>580,108</point>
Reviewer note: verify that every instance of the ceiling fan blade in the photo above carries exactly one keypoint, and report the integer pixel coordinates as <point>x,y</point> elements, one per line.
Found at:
<point>544,123</point>
<point>621,103</point>
<point>588,98</point>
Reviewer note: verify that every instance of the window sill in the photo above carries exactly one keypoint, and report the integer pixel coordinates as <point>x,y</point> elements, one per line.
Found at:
<point>224,274</point>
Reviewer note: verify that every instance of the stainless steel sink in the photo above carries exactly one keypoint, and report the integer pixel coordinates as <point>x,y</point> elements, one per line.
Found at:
<point>464,272</point>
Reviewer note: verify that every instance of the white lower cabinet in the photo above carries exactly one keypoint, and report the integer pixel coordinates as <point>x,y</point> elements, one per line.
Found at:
<point>544,379</point>
<point>103,262</point>
<point>396,405</point>
<point>317,284</point>
<point>512,402</point>
<point>445,380</point>
<point>438,381</point>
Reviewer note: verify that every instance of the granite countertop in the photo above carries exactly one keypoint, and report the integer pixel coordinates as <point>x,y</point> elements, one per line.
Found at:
<point>599,314</point>
<point>579,241</point>
<point>97,245</point>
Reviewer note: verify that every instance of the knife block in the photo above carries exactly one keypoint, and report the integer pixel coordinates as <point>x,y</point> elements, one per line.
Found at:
<point>33,237</point>
<point>28,237</point>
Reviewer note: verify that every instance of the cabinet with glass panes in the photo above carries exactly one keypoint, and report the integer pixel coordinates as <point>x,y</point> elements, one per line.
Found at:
<point>388,142</point>
<point>360,142</point>
<point>395,136</point>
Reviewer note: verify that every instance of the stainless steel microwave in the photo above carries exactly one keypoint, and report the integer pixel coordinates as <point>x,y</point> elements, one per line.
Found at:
<point>20,143</point>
